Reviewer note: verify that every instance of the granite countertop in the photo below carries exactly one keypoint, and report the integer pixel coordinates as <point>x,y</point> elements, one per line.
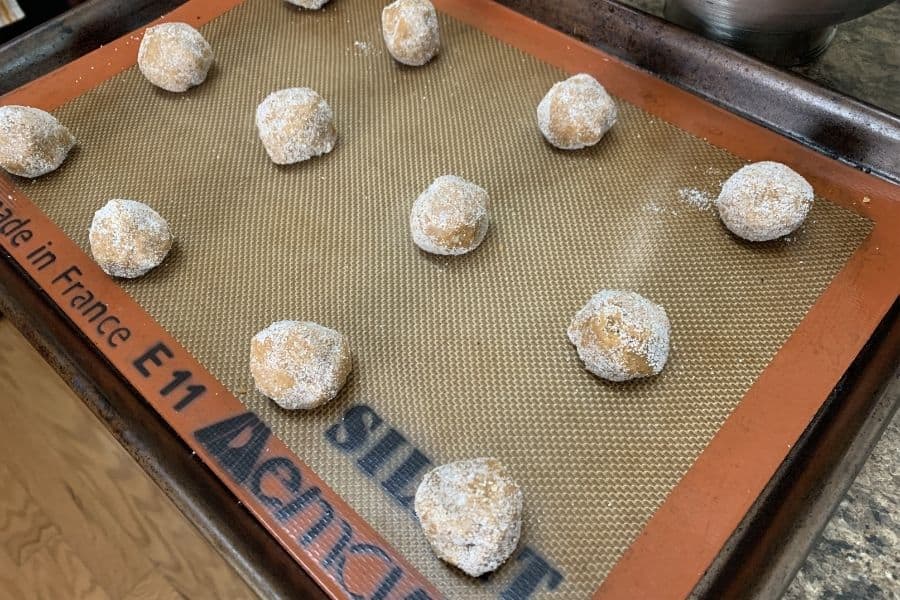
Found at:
<point>857,555</point>
<point>863,61</point>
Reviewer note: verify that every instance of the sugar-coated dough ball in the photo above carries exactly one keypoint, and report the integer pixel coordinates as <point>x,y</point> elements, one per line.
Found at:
<point>309,4</point>
<point>576,113</point>
<point>621,335</point>
<point>128,238</point>
<point>295,124</point>
<point>450,217</point>
<point>299,364</point>
<point>471,514</point>
<point>32,142</point>
<point>764,201</point>
<point>174,56</point>
<point>411,31</point>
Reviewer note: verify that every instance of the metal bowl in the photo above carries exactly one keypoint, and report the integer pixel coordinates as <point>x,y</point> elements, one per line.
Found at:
<point>786,32</point>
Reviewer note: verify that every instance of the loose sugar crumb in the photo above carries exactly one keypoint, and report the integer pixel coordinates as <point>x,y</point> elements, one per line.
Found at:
<point>655,208</point>
<point>363,48</point>
<point>696,198</point>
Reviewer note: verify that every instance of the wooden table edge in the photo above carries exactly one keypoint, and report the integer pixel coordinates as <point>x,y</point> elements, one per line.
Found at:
<point>198,493</point>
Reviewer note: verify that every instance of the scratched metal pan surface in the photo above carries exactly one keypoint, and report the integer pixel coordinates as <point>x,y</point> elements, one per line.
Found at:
<point>465,356</point>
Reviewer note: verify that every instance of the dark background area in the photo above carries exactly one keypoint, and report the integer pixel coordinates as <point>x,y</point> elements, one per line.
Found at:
<point>36,12</point>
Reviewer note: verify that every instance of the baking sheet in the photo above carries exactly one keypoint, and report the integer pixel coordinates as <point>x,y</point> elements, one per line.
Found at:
<point>463,356</point>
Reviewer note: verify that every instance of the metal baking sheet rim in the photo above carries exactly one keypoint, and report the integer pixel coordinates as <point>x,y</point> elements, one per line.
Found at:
<point>685,534</point>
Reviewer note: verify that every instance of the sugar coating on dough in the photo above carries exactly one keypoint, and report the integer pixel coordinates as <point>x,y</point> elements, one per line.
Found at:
<point>295,124</point>
<point>576,113</point>
<point>32,142</point>
<point>764,201</point>
<point>128,238</point>
<point>450,217</point>
<point>411,31</point>
<point>299,364</point>
<point>174,56</point>
<point>471,514</point>
<point>621,335</point>
<point>309,4</point>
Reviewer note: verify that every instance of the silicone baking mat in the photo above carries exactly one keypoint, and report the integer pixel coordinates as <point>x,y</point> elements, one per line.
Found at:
<point>453,357</point>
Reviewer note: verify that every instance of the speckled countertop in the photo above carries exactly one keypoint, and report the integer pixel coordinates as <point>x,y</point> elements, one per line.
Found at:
<point>863,61</point>
<point>857,555</point>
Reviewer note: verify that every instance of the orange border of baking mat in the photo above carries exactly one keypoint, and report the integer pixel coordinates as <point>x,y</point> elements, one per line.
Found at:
<point>321,532</point>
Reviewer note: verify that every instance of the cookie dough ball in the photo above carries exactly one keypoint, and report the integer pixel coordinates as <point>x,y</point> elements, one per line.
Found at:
<point>174,56</point>
<point>450,217</point>
<point>295,124</point>
<point>299,364</point>
<point>32,142</point>
<point>411,31</point>
<point>576,113</point>
<point>621,335</point>
<point>764,201</point>
<point>309,4</point>
<point>471,514</point>
<point>128,238</point>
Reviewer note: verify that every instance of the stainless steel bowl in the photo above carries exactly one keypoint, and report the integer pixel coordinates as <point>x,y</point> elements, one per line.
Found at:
<point>786,32</point>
